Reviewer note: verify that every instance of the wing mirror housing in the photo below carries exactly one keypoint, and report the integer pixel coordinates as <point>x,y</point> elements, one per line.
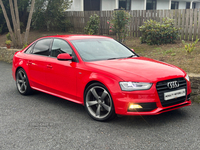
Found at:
<point>133,50</point>
<point>64,56</point>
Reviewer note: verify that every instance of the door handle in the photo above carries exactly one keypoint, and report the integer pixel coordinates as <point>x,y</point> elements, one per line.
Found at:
<point>49,66</point>
<point>29,63</point>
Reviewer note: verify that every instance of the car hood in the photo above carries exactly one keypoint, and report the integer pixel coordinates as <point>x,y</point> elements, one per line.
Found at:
<point>138,69</point>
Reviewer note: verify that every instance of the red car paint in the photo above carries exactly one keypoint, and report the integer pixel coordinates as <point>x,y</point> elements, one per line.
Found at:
<point>68,79</point>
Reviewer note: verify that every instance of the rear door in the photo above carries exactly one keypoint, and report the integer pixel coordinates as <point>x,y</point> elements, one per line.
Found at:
<point>37,64</point>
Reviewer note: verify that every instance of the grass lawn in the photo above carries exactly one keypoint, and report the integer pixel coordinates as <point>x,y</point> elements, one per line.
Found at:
<point>170,53</point>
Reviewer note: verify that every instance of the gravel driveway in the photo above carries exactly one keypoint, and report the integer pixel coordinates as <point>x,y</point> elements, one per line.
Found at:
<point>45,122</point>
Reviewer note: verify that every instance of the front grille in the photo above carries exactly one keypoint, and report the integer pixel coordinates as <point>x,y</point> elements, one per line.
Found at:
<point>162,88</point>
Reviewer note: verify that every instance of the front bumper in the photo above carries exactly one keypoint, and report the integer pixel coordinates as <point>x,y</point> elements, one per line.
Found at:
<point>149,100</point>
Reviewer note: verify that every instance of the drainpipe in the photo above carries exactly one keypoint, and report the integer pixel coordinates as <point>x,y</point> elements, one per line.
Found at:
<point>82,5</point>
<point>145,4</point>
<point>116,4</point>
<point>191,4</point>
<point>170,3</point>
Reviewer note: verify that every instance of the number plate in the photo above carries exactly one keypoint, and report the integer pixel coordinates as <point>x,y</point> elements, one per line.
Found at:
<point>174,94</point>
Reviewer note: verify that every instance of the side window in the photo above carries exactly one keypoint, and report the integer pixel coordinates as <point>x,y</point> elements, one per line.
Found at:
<point>28,51</point>
<point>60,46</point>
<point>42,47</point>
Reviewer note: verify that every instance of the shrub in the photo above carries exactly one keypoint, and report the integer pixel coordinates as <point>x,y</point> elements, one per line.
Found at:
<point>8,42</point>
<point>159,33</point>
<point>119,24</point>
<point>190,47</point>
<point>8,37</point>
<point>92,25</point>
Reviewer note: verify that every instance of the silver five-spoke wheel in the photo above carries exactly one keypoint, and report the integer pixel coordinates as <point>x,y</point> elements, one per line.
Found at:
<point>22,82</point>
<point>98,102</point>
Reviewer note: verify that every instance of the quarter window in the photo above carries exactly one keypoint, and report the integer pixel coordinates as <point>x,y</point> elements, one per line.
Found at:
<point>60,46</point>
<point>42,47</point>
<point>29,50</point>
<point>151,5</point>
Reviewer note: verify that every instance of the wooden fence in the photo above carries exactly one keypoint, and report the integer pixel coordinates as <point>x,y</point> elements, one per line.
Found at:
<point>186,19</point>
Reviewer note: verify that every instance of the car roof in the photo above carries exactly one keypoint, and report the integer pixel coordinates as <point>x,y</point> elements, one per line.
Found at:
<point>77,37</point>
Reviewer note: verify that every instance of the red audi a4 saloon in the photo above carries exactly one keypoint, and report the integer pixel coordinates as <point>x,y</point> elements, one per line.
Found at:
<point>98,72</point>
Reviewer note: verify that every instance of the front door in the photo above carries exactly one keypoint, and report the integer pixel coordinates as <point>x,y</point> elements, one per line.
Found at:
<point>61,75</point>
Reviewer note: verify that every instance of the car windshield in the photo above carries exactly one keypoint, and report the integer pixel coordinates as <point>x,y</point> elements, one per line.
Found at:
<point>101,49</point>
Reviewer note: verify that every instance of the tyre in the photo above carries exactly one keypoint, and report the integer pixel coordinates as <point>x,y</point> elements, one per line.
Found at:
<point>98,102</point>
<point>22,82</point>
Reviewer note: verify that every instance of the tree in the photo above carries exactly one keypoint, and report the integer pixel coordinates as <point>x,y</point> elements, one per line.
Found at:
<point>49,14</point>
<point>23,15</point>
<point>15,32</point>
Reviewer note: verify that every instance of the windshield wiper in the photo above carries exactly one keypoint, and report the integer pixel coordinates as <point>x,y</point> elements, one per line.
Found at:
<point>130,56</point>
<point>111,58</point>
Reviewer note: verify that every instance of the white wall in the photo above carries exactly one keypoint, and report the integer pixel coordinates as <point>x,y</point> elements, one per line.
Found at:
<point>108,5</point>
<point>182,5</point>
<point>162,4</point>
<point>76,6</point>
<point>198,5</point>
<point>137,4</point>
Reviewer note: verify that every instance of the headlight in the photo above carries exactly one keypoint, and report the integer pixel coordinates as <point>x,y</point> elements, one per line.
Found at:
<point>187,77</point>
<point>134,86</point>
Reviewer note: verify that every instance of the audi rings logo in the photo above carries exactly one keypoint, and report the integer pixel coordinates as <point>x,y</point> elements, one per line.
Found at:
<point>173,84</point>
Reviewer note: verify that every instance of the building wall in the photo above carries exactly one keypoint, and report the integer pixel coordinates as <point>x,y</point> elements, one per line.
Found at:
<point>108,5</point>
<point>162,4</point>
<point>198,5</point>
<point>137,4</point>
<point>182,5</point>
<point>76,6</point>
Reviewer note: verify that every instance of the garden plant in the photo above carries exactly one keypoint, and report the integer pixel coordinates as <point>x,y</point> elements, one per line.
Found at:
<point>157,33</point>
<point>119,24</point>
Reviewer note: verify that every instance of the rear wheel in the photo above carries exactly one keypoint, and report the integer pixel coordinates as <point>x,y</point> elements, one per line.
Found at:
<point>99,103</point>
<point>22,82</point>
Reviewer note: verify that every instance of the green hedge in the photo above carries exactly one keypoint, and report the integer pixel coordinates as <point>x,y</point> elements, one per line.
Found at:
<point>154,32</point>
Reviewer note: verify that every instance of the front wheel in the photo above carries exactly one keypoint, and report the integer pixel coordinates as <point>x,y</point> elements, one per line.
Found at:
<point>22,82</point>
<point>98,102</point>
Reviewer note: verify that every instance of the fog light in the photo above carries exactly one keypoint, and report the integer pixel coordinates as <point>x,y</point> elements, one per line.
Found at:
<point>134,106</point>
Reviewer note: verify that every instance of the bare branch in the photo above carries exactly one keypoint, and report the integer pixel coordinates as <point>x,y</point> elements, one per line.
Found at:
<point>18,23</point>
<point>29,22</point>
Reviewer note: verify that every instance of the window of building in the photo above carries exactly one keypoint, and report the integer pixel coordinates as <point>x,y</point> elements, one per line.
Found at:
<point>91,5</point>
<point>151,5</point>
<point>125,4</point>
<point>187,5</point>
<point>193,5</point>
<point>174,5</point>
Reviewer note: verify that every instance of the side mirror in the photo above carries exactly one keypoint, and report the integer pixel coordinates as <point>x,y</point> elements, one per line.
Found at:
<point>133,50</point>
<point>64,56</point>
